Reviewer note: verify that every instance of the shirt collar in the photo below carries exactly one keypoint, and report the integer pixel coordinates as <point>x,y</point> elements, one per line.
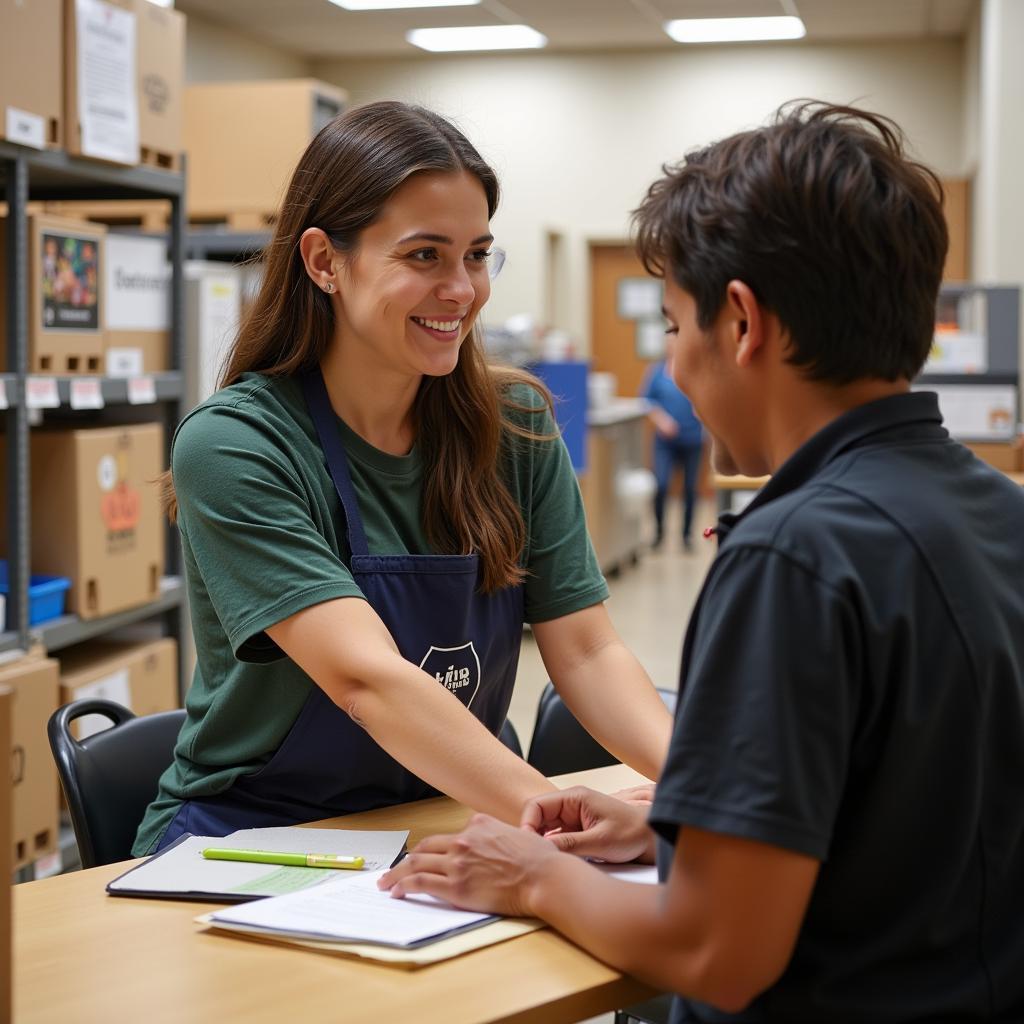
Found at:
<point>849,430</point>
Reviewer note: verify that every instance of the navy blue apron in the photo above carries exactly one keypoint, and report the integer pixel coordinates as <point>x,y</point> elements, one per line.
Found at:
<point>467,641</point>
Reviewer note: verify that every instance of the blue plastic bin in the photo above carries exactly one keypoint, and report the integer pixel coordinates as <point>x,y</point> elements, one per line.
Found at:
<point>46,595</point>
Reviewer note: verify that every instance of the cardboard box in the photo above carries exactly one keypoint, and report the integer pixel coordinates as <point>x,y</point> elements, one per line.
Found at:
<point>137,304</point>
<point>143,677</point>
<point>161,75</point>
<point>31,66</point>
<point>35,683</point>
<point>233,167</point>
<point>1005,456</point>
<point>65,313</point>
<point>96,515</point>
<point>6,865</point>
<point>101,109</point>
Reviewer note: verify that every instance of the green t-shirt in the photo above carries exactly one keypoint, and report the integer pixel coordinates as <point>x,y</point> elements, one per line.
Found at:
<point>262,538</point>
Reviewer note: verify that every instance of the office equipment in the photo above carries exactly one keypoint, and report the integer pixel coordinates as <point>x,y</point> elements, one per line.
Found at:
<point>109,778</point>
<point>182,872</point>
<point>74,942</point>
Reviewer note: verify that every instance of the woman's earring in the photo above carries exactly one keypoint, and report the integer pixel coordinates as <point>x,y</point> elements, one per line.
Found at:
<point>329,287</point>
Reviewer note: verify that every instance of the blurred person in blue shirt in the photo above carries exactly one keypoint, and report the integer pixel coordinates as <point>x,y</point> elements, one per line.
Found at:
<point>678,441</point>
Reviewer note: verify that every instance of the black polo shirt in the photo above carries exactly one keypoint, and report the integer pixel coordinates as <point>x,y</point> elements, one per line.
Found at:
<point>852,688</point>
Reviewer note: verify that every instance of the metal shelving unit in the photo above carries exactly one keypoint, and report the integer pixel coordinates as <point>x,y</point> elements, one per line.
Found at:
<point>28,175</point>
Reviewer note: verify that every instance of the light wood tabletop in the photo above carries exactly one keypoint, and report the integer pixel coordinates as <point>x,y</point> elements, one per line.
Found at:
<point>83,956</point>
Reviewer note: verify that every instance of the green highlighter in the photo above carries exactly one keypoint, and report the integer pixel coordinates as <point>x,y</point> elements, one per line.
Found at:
<point>295,860</point>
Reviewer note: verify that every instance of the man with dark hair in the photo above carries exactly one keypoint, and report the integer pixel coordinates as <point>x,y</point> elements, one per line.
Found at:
<point>840,822</point>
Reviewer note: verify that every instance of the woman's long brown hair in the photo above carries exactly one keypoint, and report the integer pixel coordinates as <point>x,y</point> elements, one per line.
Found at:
<point>461,422</point>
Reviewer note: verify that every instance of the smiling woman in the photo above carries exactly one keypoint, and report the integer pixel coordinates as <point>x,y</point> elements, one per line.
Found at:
<point>370,512</point>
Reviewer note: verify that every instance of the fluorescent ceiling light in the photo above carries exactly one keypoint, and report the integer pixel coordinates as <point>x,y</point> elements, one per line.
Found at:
<point>477,37</point>
<point>734,30</point>
<point>394,5</point>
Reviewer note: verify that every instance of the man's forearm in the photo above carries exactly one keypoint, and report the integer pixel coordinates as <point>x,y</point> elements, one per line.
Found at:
<point>625,924</point>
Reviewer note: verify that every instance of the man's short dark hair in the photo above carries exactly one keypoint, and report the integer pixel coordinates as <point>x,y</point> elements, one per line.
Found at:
<point>830,224</point>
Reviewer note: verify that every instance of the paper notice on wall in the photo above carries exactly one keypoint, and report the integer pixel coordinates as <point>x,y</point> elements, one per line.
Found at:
<point>978,412</point>
<point>107,106</point>
<point>113,687</point>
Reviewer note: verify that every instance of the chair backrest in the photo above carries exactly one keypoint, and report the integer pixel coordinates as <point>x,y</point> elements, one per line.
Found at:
<point>561,745</point>
<point>510,738</point>
<point>110,777</point>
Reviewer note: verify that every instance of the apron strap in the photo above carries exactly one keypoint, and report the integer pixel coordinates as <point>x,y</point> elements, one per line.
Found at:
<point>325,421</point>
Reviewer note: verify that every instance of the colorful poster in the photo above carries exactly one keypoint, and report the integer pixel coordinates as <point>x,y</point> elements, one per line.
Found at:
<point>70,283</point>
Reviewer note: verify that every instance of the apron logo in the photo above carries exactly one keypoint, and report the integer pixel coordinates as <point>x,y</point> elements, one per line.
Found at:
<point>456,668</point>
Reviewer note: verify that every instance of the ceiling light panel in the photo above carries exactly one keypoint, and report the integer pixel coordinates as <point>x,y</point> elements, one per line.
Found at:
<point>399,5</point>
<point>476,37</point>
<point>734,30</point>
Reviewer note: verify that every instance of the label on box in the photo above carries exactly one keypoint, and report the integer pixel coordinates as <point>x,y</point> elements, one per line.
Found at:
<point>41,393</point>
<point>86,393</point>
<point>25,128</point>
<point>3,394</point>
<point>48,865</point>
<point>70,281</point>
<point>124,362</point>
<point>107,108</point>
<point>141,391</point>
<point>137,284</point>
<point>114,687</point>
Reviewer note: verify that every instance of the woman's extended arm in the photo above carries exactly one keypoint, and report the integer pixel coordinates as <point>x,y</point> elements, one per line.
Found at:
<point>418,722</point>
<point>606,688</point>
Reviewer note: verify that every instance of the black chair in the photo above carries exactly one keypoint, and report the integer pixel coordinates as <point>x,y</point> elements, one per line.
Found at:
<point>110,778</point>
<point>510,738</point>
<point>561,745</point>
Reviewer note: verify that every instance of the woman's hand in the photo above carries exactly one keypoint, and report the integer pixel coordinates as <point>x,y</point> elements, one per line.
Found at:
<point>591,824</point>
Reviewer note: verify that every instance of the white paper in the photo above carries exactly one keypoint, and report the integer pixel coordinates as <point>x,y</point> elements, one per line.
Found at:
<point>643,874</point>
<point>137,284</point>
<point>649,339</point>
<point>183,869</point>
<point>3,394</point>
<point>107,106</point>
<point>116,687</point>
<point>86,393</point>
<point>124,362</point>
<point>978,412</point>
<point>41,393</point>
<point>353,909</point>
<point>141,391</point>
<point>220,308</point>
<point>639,298</point>
<point>25,128</point>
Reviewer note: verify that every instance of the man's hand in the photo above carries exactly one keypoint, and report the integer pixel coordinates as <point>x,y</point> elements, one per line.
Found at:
<point>488,867</point>
<point>591,824</point>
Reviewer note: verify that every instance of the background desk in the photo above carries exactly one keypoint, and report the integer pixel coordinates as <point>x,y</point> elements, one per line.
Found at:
<point>83,956</point>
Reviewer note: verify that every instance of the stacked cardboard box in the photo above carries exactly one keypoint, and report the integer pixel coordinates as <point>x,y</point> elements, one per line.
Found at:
<point>96,515</point>
<point>34,682</point>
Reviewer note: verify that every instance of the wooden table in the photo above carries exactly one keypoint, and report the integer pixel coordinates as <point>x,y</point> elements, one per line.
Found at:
<point>83,956</point>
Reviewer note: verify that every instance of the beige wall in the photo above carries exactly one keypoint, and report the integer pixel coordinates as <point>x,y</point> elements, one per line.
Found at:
<point>577,138</point>
<point>217,54</point>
